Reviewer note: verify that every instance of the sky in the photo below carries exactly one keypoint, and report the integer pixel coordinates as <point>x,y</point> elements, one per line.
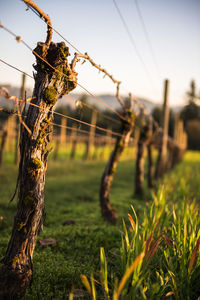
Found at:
<point>95,27</point>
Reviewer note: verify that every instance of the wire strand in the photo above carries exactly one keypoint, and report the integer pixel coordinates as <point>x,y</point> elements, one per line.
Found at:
<point>97,111</point>
<point>132,41</point>
<point>71,118</point>
<point>18,38</point>
<point>140,106</point>
<point>76,129</point>
<point>2,109</point>
<point>147,38</point>
<point>101,101</point>
<point>71,97</point>
<point>75,48</point>
<point>56,31</point>
<point>88,124</point>
<point>15,68</point>
<point>33,51</point>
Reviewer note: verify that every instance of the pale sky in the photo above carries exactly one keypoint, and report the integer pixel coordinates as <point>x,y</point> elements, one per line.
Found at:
<point>95,27</point>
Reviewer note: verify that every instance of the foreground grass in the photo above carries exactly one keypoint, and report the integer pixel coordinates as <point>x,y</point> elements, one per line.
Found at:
<point>72,194</point>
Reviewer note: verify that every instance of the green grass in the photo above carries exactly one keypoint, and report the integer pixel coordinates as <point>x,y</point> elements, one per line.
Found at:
<point>72,189</point>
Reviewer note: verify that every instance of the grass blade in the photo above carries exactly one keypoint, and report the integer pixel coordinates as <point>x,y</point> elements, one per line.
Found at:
<point>127,274</point>
<point>148,242</point>
<point>86,284</point>
<point>126,235</point>
<point>132,222</point>
<point>93,288</point>
<point>193,256</point>
<point>104,271</point>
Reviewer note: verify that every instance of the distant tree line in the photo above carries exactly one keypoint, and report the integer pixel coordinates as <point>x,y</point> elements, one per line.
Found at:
<point>190,114</point>
<point>191,117</point>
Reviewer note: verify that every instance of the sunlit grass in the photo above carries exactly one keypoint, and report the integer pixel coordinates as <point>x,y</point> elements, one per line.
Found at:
<point>159,256</point>
<point>154,253</point>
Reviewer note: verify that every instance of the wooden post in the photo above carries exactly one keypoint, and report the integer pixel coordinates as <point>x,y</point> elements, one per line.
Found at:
<point>56,148</point>
<point>181,143</point>
<point>63,128</point>
<point>96,146</point>
<point>175,133</point>
<point>103,147</point>
<point>136,135</point>
<point>23,86</point>
<point>90,144</point>
<point>74,142</point>
<point>50,85</point>
<point>22,96</point>
<point>3,142</point>
<point>109,136</point>
<point>10,132</point>
<point>162,155</point>
<point>61,138</point>
<point>106,143</point>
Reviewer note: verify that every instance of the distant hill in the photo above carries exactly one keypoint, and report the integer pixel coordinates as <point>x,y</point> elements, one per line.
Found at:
<point>71,98</point>
<point>13,91</point>
<point>107,99</point>
<point>111,100</point>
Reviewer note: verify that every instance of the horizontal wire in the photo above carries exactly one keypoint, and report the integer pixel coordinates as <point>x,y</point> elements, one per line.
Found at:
<point>65,116</point>
<point>2,109</point>
<point>68,43</point>
<point>148,39</point>
<point>60,125</point>
<point>101,101</point>
<point>15,68</point>
<point>140,106</point>
<point>77,120</point>
<point>74,49</point>
<point>89,106</point>
<point>132,41</point>
<point>75,129</point>
<point>33,10</point>
<point>94,96</point>
<point>99,112</point>
<point>73,119</point>
<point>88,124</point>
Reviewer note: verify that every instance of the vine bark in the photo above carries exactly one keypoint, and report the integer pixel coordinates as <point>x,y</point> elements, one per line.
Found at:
<point>107,211</point>
<point>50,84</point>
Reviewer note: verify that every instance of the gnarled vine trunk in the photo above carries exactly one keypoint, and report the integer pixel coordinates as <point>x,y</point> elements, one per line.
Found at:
<point>107,211</point>
<point>50,84</point>
<point>139,172</point>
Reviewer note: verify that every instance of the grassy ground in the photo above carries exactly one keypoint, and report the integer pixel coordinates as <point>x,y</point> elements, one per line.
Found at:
<point>72,189</point>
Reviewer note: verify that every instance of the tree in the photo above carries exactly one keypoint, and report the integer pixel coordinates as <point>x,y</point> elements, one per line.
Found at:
<point>50,84</point>
<point>190,115</point>
<point>157,115</point>
<point>192,92</point>
<point>191,111</point>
